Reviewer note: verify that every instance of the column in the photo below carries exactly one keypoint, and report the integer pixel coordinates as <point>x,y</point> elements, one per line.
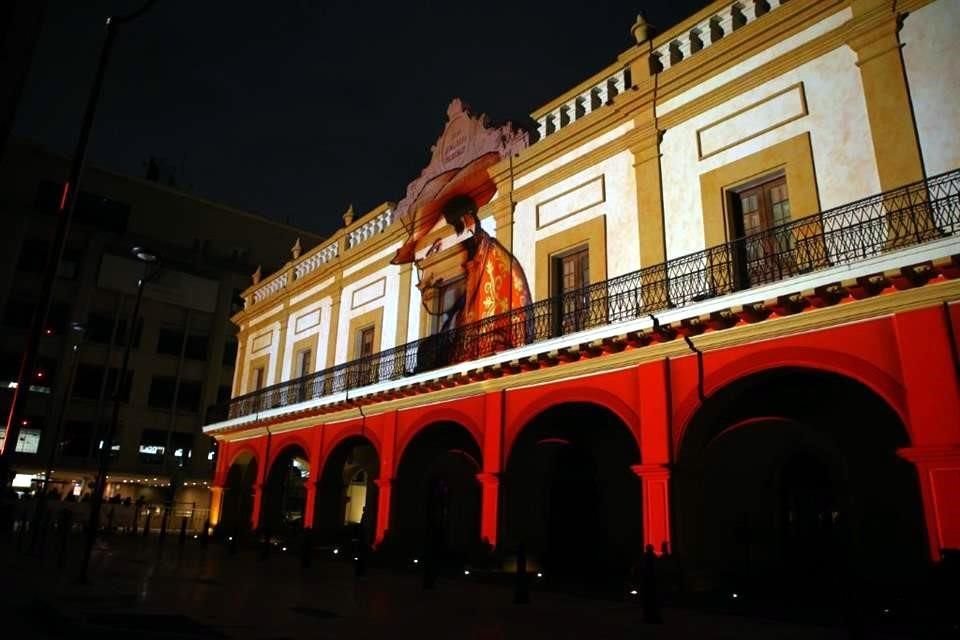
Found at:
<point>654,473</point>
<point>384,495</point>
<point>874,38</point>
<point>255,511</point>
<point>216,505</point>
<point>938,469</point>
<point>308,508</point>
<point>655,489</point>
<point>489,478</point>
<point>933,408</point>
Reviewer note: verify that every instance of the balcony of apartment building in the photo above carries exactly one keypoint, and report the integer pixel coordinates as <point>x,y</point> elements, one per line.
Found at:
<point>899,238</point>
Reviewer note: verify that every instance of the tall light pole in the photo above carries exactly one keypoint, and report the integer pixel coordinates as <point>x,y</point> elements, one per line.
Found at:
<point>77,329</point>
<point>120,391</point>
<point>68,202</point>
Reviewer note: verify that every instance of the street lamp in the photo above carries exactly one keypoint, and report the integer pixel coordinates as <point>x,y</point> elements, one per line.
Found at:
<point>149,260</point>
<point>77,329</point>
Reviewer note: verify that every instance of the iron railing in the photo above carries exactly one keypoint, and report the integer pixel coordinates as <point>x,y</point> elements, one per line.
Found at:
<point>911,215</point>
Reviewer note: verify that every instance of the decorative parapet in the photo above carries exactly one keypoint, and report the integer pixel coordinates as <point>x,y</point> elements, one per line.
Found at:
<point>582,104</point>
<point>375,226</point>
<point>271,288</point>
<point>709,31</point>
<point>312,262</point>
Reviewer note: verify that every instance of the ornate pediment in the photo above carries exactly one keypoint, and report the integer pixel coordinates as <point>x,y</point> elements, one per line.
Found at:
<point>465,137</point>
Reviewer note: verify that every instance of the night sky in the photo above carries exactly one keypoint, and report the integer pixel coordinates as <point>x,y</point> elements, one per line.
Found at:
<point>295,109</point>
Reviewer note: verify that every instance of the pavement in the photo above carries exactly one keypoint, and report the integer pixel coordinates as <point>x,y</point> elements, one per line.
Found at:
<point>138,589</point>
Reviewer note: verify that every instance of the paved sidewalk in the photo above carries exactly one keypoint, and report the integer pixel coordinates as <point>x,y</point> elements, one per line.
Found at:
<point>206,593</point>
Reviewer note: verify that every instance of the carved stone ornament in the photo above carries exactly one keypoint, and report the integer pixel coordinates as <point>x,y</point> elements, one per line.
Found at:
<point>641,29</point>
<point>257,275</point>
<point>465,137</point>
<point>348,216</point>
<point>296,249</point>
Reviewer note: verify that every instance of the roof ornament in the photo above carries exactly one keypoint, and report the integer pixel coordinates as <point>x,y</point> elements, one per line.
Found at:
<point>640,29</point>
<point>257,275</point>
<point>348,216</point>
<point>296,249</point>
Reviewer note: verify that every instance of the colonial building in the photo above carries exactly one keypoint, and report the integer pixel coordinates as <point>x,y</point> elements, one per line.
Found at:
<point>710,305</point>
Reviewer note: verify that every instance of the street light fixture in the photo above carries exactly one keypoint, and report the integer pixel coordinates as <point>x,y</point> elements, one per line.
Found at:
<point>149,259</point>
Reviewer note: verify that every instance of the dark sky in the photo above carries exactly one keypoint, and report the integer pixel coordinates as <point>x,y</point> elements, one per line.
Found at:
<point>295,109</point>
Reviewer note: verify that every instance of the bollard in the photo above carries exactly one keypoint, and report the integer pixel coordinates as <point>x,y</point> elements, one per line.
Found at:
<point>146,522</point>
<point>109,530</point>
<point>183,530</point>
<point>205,534</point>
<point>163,526</point>
<point>234,540</point>
<point>133,525</point>
<point>521,594</point>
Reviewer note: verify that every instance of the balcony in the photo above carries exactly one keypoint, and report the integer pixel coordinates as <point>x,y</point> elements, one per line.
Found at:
<point>883,225</point>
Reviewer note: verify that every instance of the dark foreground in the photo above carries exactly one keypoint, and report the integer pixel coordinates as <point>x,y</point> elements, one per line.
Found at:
<point>138,589</point>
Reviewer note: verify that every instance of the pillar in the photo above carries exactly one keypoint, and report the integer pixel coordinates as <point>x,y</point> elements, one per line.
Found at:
<point>874,38</point>
<point>255,511</point>
<point>489,478</point>
<point>655,489</point>
<point>308,508</point>
<point>216,505</point>
<point>938,469</point>
<point>384,496</point>
<point>932,398</point>
<point>654,473</point>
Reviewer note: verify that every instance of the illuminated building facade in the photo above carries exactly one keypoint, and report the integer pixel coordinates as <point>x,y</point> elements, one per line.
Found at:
<point>709,306</point>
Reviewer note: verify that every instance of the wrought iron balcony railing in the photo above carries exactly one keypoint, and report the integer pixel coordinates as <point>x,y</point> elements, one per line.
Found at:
<point>911,215</point>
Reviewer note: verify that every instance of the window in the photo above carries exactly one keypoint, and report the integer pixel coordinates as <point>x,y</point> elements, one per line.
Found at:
<point>365,341</point>
<point>121,337</point>
<point>161,392</point>
<point>229,353</point>
<point>256,379</point>
<point>181,448</point>
<point>189,396</point>
<point>89,379</point>
<point>302,363</point>
<point>169,341</point>
<point>76,439</point>
<point>448,301</point>
<point>367,368</point>
<point>196,348</point>
<point>571,273</point>
<point>153,446</point>
<point>757,209</point>
<point>99,328</point>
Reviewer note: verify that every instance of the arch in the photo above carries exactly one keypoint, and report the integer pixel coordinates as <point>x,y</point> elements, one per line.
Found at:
<point>239,485</point>
<point>597,397</point>
<point>343,512</point>
<point>770,358</point>
<point>570,494</point>
<point>330,446</point>
<point>436,493</point>
<point>439,415</point>
<point>283,507</point>
<point>786,471</point>
<point>286,443</point>
<point>245,449</point>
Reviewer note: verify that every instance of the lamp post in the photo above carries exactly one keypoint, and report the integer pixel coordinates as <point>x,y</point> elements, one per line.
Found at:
<point>77,329</point>
<point>68,202</point>
<point>120,390</point>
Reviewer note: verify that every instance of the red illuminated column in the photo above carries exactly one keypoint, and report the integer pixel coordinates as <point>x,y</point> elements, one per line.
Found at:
<point>387,470</point>
<point>654,473</point>
<point>385,491</point>
<point>933,407</point>
<point>255,512</point>
<point>308,507</point>
<point>489,478</point>
<point>938,469</point>
<point>655,489</point>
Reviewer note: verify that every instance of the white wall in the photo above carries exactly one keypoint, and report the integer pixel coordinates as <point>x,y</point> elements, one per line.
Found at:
<point>313,319</point>
<point>841,142</point>
<point>931,55</point>
<point>389,301</point>
<point>619,205</point>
